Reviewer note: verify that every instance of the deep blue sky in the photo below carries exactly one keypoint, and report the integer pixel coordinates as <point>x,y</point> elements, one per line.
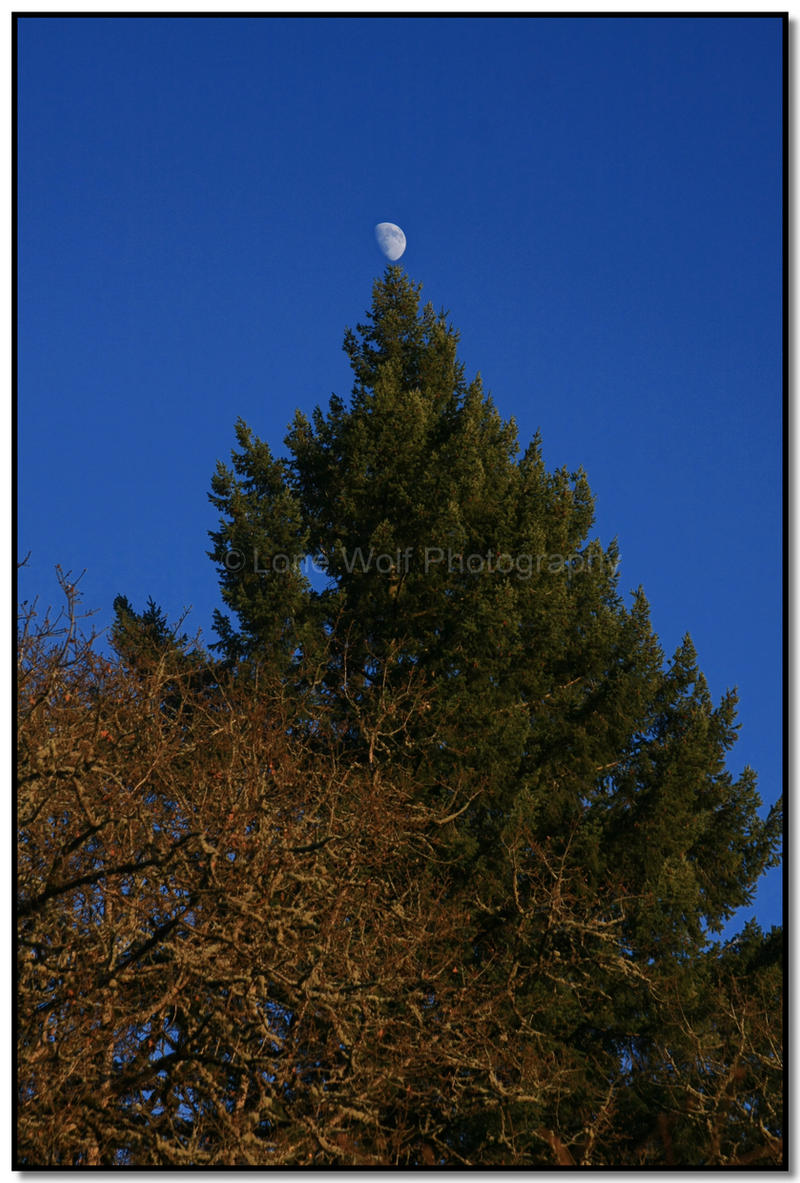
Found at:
<point>597,202</point>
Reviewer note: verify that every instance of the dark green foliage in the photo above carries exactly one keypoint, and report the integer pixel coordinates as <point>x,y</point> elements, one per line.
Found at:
<point>256,553</point>
<point>147,644</point>
<point>140,637</point>
<point>462,578</point>
<point>473,636</point>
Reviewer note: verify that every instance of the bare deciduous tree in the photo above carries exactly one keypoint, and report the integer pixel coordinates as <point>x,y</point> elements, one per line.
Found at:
<point>238,945</point>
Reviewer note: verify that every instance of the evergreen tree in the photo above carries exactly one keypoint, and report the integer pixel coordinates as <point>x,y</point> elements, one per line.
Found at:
<point>141,637</point>
<point>147,644</point>
<point>473,638</point>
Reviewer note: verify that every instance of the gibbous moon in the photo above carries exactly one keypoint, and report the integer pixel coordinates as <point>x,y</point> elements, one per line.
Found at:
<point>390,239</point>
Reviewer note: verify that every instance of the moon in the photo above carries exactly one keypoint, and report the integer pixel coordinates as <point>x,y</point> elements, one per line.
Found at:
<point>390,239</point>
